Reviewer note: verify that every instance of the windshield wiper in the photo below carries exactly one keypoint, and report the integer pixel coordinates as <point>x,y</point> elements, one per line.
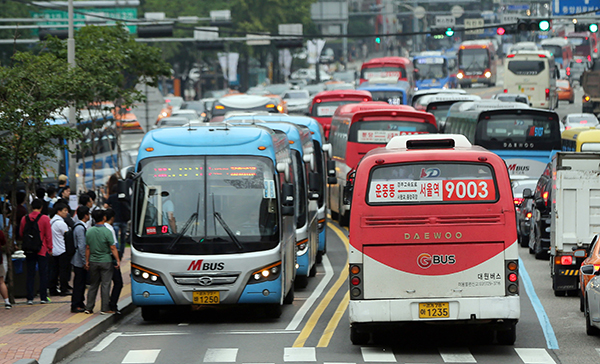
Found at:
<point>187,225</point>
<point>228,230</point>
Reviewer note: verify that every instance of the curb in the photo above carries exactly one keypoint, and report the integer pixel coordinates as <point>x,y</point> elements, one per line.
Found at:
<point>73,341</point>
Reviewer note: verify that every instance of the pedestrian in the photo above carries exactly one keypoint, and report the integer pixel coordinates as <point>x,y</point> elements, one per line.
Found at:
<point>42,233</point>
<point>41,195</point>
<point>21,211</point>
<point>99,248</point>
<point>117,278</point>
<point>122,215</point>
<point>84,200</point>
<point>78,260</point>
<point>62,181</point>
<point>60,263</point>
<point>3,289</point>
<point>93,196</point>
<point>51,198</point>
<point>64,194</point>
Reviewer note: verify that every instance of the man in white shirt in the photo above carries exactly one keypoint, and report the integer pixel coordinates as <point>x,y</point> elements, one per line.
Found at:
<point>60,263</point>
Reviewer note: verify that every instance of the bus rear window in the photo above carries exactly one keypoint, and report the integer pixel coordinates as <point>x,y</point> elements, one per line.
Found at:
<point>437,183</point>
<point>382,131</point>
<point>391,97</point>
<point>577,41</point>
<point>371,73</point>
<point>555,50</point>
<point>517,131</point>
<point>526,68</point>
<point>328,108</point>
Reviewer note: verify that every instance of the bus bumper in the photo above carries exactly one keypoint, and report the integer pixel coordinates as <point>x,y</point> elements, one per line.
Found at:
<point>144,294</point>
<point>265,292</point>
<point>322,239</point>
<point>461,309</point>
<point>303,262</point>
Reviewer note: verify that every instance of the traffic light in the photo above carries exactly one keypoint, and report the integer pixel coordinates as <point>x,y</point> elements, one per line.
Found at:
<point>378,40</point>
<point>593,28</point>
<point>210,45</point>
<point>58,33</point>
<point>500,31</point>
<point>542,25</point>
<point>155,31</point>
<point>449,32</point>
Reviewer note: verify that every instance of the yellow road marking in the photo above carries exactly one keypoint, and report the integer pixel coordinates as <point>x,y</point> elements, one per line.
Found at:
<point>334,322</point>
<point>318,312</point>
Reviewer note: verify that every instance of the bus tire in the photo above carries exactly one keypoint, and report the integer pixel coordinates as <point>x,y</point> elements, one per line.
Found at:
<point>273,310</point>
<point>334,215</point>
<point>507,337</point>
<point>289,297</point>
<point>150,313</point>
<point>359,338</point>
<point>301,281</point>
<point>319,258</point>
<point>313,270</point>
<point>345,219</point>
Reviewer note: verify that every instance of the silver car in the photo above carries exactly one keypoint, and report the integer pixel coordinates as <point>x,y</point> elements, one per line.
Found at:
<point>592,301</point>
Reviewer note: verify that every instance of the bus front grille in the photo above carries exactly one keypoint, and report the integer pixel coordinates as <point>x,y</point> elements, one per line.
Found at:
<point>204,279</point>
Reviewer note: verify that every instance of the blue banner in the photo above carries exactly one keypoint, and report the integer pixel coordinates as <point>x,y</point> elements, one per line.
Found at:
<point>570,7</point>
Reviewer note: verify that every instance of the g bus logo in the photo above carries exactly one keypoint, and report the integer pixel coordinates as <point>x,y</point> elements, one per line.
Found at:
<point>430,172</point>
<point>426,260</point>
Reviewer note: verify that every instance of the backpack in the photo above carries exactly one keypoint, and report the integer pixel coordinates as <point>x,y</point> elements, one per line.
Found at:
<point>32,239</point>
<point>70,246</point>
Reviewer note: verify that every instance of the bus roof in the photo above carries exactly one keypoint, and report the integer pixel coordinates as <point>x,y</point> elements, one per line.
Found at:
<point>370,105</point>
<point>315,128</point>
<point>573,133</point>
<point>341,94</point>
<point>213,139</point>
<point>555,41</point>
<point>387,60</point>
<point>243,101</point>
<point>299,136</point>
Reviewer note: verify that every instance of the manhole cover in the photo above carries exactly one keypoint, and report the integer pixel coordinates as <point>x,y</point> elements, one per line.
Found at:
<point>38,331</point>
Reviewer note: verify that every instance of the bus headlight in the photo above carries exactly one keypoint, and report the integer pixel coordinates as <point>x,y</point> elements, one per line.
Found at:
<point>487,74</point>
<point>264,274</point>
<point>145,275</point>
<point>460,75</point>
<point>302,246</point>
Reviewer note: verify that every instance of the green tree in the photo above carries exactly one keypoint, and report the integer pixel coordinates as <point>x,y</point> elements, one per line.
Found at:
<point>31,92</point>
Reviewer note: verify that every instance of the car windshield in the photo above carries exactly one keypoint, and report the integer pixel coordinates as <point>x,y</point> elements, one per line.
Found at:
<point>440,112</point>
<point>522,131</point>
<point>577,41</point>
<point>347,76</point>
<point>562,83</point>
<point>277,89</point>
<point>519,186</point>
<point>174,101</point>
<point>554,50</point>
<point>186,198</point>
<point>506,98</point>
<point>193,105</point>
<point>189,116</point>
<point>586,120</point>
<point>173,121</point>
<point>577,65</point>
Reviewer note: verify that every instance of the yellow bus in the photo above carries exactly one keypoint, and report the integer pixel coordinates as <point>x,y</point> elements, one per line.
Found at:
<point>581,140</point>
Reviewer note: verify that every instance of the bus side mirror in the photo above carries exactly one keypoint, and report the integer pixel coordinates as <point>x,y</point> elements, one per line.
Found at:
<point>314,186</point>
<point>331,175</point>
<point>527,193</point>
<point>287,203</point>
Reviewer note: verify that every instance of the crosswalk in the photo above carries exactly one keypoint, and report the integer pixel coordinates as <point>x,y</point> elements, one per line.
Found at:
<point>367,354</point>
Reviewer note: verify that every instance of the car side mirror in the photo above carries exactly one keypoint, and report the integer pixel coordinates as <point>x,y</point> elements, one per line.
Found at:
<point>540,204</point>
<point>527,193</point>
<point>314,186</point>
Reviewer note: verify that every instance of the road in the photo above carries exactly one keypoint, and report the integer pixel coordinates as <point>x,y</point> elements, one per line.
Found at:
<point>315,327</point>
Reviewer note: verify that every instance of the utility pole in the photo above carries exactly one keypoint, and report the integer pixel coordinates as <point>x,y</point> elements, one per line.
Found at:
<point>72,111</point>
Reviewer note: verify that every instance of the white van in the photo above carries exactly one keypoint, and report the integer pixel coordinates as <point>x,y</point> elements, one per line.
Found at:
<point>534,74</point>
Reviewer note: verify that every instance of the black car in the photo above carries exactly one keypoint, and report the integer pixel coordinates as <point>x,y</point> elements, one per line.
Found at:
<point>540,205</point>
<point>523,211</point>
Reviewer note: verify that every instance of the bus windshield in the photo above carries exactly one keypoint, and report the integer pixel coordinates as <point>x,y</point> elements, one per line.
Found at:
<point>510,131</point>
<point>382,131</point>
<point>390,72</point>
<point>430,68</point>
<point>328,108</point>
<point>206,205</point>
<point>475,59</point>
<point>392,97</point>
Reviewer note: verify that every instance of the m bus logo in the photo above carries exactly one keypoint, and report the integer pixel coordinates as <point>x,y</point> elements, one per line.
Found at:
<point>516,168</point>
<point>426,260</point>
<point>198,265</point>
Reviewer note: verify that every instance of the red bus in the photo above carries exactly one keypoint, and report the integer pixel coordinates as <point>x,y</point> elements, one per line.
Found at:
<point>585,44</point>
<point>476,63</point>
<point>433,238</point>
<point>358,128</point>
<point>325,103</point>
<point>387,70</point>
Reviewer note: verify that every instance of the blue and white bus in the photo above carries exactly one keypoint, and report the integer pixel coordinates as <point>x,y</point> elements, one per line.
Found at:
<point>213,220</point>
<point>526,138</point>
<point>321,150</point>
<point>432,70</point>
<point>393,93</point>
<point>303,161</point>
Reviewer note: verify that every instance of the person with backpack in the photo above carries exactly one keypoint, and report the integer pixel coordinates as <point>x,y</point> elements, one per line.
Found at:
<point>78,260</point>
<point>60,262</point>
<point>37,244</point>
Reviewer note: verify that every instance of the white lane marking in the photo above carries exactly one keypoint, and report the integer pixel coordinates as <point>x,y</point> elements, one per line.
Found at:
<point>457,355</point>
<point>299,316</point>
<point>598,351</point>
<point>157,333</point>
<point>277,332</point>
<point>184,324</point>
<point>220,355</point>
<point>300,354</point>
<point>141,357</point>
<point>106,341</point>
<point>371,354</point>
<point>534,356</point>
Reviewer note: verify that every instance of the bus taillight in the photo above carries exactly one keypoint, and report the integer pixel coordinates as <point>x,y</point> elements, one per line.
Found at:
<point>356,282</point>
<point>512,277</point>
<point>547,94</point>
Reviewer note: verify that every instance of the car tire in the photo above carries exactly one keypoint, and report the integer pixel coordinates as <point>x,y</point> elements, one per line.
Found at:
<point>540,254</point>
<point>571,101</point>
<point>507,337</point>
<point>334,215</point>
<point>313,270</point>
<point>359,338</point>
<point>319,258</point>
<point>524,241</point>
<point>581,302</point>
<point>589,328</point>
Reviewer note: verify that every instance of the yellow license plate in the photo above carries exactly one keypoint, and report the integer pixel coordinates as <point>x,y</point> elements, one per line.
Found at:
<point>474,80</point>
<point>207,297</point>
<point>434,310</point>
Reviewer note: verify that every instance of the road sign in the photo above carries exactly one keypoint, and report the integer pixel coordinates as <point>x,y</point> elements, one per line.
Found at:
<point>123,14</point>
<point>474,23</point>
<point>207,33</point>
<point>419,12</point>
<point>290,29</point>
<point>509,18</point>
<point>517,7</point>
<point>457,11</point>
<point>258,39</point>
<point>568,7</point>
<point>445,21</point>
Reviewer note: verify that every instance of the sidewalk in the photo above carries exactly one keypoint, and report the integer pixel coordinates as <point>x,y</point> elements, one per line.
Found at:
<point>49,333</point>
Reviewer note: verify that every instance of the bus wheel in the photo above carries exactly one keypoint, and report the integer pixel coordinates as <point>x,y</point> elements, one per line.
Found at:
<point>507,337</point>
<point>313,270</point>
<point>345,219</point>
<point>319,258</point>
<point>301,281</point>
<point>289,297</point>
<point>150,313</point>
<point>359,338</point>
<point>273,310</point>
<point>334,215</point>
